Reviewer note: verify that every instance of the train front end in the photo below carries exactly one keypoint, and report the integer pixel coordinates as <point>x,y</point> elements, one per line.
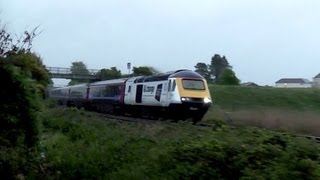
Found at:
<point>192,98</point>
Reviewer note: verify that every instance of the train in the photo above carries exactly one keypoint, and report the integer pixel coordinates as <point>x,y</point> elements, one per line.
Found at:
<point>178,95</point>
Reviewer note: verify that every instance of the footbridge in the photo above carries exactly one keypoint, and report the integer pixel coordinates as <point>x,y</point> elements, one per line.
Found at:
<point>66,73</point>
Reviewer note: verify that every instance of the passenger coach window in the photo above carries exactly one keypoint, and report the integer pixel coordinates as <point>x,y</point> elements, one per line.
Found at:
<point>169,86</point>
<point>193,84</point>
<point>111,91</point>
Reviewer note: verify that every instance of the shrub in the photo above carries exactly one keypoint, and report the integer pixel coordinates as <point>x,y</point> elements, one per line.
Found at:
<point>19,105</point>
<point>251,154</point>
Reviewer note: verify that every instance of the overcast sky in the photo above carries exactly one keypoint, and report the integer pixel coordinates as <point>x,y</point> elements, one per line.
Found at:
<point>263,40</point>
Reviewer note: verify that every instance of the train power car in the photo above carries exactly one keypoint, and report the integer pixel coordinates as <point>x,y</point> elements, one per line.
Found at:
<point>175,95</point>
<point>179,95</point>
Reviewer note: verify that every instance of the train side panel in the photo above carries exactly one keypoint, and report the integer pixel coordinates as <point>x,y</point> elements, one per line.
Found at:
<point>145,93</point>
<point>106,96</point>
<point>180,94</point>
<point>77,95</point>
<point>60,95</point>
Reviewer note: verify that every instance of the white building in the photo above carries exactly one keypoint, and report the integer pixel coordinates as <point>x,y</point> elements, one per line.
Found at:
<point>316,81</point>
<point>293,83</point>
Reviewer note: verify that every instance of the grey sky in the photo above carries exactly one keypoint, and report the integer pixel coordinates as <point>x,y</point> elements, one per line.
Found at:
<point>263,40</point>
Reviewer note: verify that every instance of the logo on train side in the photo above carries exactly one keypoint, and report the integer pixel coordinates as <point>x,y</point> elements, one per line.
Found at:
<point>149,89</point>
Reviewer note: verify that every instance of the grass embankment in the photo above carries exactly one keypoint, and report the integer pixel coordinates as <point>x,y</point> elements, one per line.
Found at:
<point>239,97</point>
<point>289,109</point>
<point>79,144</point>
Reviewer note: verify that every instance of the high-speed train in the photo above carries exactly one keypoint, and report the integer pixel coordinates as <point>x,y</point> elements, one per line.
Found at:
<point>177,95</point>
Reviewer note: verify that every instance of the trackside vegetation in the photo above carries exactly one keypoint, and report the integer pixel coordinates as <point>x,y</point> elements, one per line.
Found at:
<point>76,144</point>
<point>80,144</point>
<point>24,80</point>
<point>239,97</point>
<point>296,110</point>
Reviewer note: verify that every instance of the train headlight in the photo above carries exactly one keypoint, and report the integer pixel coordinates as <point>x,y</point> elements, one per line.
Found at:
<point>207,100</point>
<point>183,99</point>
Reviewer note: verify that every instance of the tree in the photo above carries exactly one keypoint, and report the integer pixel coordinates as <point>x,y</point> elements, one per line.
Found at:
<point>218,64</point>
<point>25,79</point>
<point>78,68</point>
<point>154,70</point>
<point>106,74</point>
<point>228,77</point>
<point>9,45</point>
<point>19,107</point>
<point>142,71</point>
<point>203,70</point>
<point>32,67</point>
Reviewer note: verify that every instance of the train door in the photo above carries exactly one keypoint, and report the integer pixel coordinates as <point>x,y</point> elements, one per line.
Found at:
<point>158,92</point>
<point>139,93</point>
<point>168,91</point>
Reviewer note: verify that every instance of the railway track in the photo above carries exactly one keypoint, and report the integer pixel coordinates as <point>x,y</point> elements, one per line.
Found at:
<point>127,118</point>
<point>208,125</point>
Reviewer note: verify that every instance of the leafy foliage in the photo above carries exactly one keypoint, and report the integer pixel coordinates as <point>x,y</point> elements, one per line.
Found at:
<point>77,146</point>
<point>203,70</point>
<point>32,67</point>
<point>247,154</point>
<point>24,79</point>
<point>143,71</point>
<point>80,148</point>
<point>106,74</point>
<point>218,64</point>
<point>78,68</point>
<point>19,105</point>
<point>219,69</point>
<point>19,123</point>
<point>228,77</point>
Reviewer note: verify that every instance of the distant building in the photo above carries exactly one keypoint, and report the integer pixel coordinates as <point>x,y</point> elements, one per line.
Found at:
<point>251,84</point>
<point>316,81</point>
<point>293,83</point>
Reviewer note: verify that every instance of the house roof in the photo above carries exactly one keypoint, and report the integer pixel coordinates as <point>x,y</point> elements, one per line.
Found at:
<point>293,80</point>
<point>249,84</point>
<point>317,76</point>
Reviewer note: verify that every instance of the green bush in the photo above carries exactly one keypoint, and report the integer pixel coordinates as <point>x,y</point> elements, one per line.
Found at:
<point>248,155</point>
<point>79,146</point>
<point>83,145</point>
<point>24,80</point>
<point>19,106</point>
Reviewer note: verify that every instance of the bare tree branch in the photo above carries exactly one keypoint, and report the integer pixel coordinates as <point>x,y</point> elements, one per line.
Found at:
<point>22,43</point>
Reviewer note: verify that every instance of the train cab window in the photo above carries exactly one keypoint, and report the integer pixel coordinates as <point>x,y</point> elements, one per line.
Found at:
<point>129,89</point>
<point>173,85</point>
<point>169,86</point>
<point>192,84</point>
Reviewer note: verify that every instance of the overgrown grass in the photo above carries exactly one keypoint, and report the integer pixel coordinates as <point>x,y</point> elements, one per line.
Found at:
<point>78,144</point>
<point>239,97</point>
<point>295,110</point>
